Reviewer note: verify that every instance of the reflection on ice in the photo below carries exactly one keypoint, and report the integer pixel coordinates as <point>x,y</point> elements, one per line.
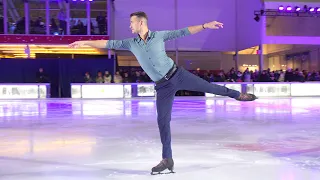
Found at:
<point>119,139</point>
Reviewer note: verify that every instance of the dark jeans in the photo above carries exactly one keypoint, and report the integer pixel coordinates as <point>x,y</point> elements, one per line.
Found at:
<point>181,80</point>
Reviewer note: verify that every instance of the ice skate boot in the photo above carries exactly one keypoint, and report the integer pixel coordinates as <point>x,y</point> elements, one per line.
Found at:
<point>246,97</point>
<point>163,165</point>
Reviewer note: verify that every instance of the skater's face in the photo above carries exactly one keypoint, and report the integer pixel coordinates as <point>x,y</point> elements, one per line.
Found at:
<point>135,24</point>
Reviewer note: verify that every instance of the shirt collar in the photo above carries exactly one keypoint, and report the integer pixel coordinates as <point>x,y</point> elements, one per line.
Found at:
<point>148,37</point>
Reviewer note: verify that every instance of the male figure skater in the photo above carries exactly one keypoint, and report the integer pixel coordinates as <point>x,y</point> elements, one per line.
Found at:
<point>149,49</point>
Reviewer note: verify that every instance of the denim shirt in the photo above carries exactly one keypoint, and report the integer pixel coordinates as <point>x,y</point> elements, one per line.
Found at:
<point>151,54</point>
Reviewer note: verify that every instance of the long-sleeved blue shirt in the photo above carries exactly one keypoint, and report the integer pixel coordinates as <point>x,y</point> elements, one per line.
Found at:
<point>151,54</point>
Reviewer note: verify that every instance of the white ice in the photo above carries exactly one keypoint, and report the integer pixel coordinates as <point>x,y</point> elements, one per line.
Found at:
<point>214,139</point>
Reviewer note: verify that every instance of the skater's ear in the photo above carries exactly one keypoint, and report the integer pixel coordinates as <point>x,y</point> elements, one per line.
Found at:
<point>144,21</point>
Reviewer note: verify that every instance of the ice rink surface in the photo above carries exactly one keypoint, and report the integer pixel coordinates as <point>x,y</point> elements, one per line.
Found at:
<point>212,139</point>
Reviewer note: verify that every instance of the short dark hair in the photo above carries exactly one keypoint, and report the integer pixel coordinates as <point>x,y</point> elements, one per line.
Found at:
<point>139,14</point>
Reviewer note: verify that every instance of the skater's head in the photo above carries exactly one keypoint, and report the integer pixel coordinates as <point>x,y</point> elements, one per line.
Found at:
<point>138,22</point>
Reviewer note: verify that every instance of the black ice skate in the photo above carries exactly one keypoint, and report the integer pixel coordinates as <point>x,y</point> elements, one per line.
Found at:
<point>163,165</point>
<point>246,97</point>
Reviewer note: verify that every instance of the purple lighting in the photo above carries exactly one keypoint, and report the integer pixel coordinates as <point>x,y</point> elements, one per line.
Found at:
<point>82,0</point>
<point>311,9</point>
<point>289,8</point>
<point>318,9</point>
<point>281,8</point>
<point>298,9</point>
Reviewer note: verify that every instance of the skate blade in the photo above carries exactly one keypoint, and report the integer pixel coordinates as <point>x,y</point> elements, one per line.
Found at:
<point>161,173</point>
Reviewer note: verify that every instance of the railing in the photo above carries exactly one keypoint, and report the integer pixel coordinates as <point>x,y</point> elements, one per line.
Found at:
<point>56,17</point>
<point>132,90</point>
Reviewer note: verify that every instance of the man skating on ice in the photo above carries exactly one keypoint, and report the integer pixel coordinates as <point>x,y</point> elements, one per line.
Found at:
<point>149,49</point>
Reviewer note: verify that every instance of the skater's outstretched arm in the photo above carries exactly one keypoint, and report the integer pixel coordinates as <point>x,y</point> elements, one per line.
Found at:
<point>209,25</point>
<point>171,35</point>
<point>94,44</point>
<point>109,44</point>
<point>174,34</point>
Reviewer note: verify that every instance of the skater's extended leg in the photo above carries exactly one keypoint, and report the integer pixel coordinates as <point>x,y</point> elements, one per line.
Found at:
<point>165,97</point>
<point>191,82</point>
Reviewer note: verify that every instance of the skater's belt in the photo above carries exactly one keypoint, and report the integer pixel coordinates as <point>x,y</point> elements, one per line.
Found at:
<point>170,73</point>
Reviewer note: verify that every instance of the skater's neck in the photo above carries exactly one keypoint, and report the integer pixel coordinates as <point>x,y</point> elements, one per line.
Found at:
<point>144,33</point>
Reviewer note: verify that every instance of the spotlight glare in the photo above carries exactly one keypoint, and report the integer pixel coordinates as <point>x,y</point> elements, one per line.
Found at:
<point>298,8</point>
<point>311,9</point>
<point>289,8</point>
<point>281,8</point>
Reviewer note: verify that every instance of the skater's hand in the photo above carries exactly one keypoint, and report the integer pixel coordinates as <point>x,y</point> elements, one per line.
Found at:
<point>213,25</point>
<point>77,44</point>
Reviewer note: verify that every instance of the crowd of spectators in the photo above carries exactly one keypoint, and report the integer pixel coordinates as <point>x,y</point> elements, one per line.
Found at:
<point>121,76</point>
<point>289,75</point>
<point>138,76</point>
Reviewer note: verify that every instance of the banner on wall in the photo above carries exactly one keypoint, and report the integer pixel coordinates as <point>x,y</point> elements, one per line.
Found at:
<point>274,89</point>
<point>146,90</point>
<point>102,91</point>
<point>22,91</point>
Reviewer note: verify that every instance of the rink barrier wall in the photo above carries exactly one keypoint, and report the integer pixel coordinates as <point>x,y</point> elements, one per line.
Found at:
<point>132,90</point>
<point>24,91</point>
<point>60,72</point>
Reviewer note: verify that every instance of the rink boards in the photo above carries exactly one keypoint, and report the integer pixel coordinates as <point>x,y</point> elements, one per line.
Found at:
<point>148,89</point>
<point>24,91</point>
<point>131,90</point>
